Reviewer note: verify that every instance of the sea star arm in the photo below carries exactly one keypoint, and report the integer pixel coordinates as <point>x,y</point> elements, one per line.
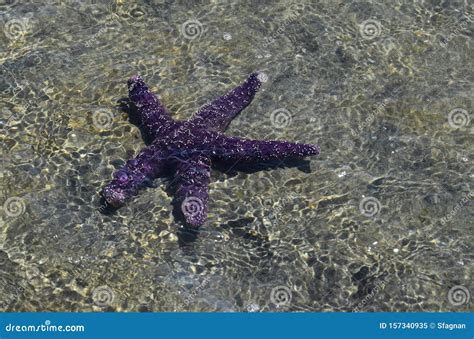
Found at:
<point>236,149</point>
<point>136,173</point>
<point>218,114</point>
<point>151,113</point>
<point>192,188</point>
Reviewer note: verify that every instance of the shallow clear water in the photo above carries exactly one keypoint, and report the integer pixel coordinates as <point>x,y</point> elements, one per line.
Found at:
<point>360,228</point>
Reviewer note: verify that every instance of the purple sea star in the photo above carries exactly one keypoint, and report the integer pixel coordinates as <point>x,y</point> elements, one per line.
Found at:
<point>190,147</point>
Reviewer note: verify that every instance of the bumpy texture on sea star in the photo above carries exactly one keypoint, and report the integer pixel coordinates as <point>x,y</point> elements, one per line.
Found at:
<point>190,147</point>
